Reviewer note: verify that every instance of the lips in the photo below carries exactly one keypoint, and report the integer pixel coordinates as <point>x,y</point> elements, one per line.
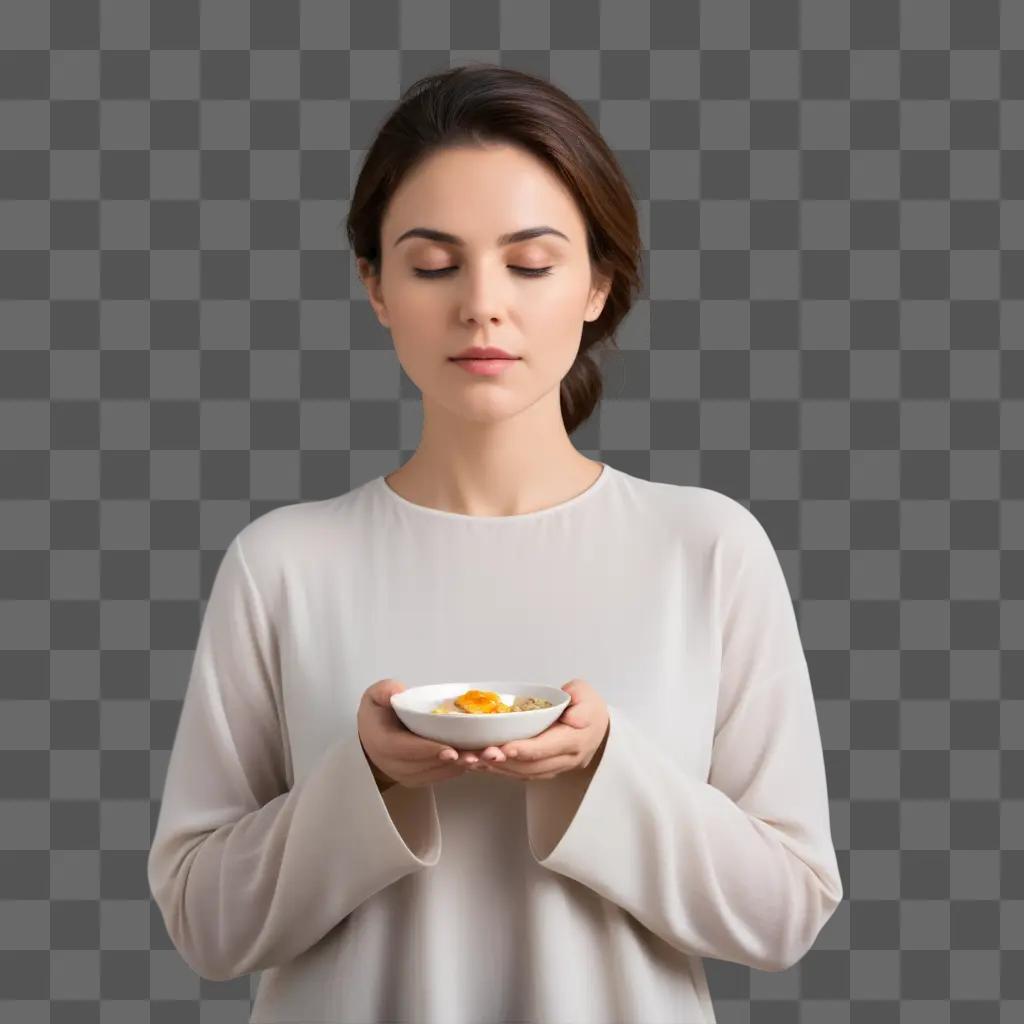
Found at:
<point>486,352</point>
<point>484,367</point>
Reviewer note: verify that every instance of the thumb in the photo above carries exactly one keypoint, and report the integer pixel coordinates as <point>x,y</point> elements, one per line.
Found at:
<point>382,692</point>
<point>573,691</point>
<point>573,714</point>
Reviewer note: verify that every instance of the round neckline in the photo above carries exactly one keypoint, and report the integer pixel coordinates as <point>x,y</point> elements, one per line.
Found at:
<point>516,517</point>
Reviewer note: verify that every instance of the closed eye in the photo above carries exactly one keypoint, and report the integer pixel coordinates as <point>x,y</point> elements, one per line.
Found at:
<point>525,271</point>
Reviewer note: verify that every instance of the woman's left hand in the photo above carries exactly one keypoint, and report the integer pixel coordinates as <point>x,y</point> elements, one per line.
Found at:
<point>565,746</point>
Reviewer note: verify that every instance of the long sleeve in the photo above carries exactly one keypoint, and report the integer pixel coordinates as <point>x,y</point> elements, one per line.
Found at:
<point>247,872</point>
<point>741,867</point>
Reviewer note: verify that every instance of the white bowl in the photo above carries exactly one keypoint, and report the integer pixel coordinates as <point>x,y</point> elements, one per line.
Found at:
<point>466,731</point>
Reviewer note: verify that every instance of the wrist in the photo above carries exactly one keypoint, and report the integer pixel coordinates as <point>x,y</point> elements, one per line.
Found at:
<point>599,753</point>
<point>383,781</point>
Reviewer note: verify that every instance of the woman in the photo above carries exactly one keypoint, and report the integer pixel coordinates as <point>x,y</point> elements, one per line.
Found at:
<point>677,811</point>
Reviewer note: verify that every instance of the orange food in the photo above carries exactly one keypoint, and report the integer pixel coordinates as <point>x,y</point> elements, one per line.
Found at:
<point>480,702</point>
<point>487,702</point>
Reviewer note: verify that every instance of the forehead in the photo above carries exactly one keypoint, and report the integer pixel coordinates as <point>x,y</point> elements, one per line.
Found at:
<point>479,194</point>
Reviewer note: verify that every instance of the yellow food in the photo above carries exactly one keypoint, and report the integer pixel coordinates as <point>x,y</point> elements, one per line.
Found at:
<point>480,702</point>
<point>487,702</point>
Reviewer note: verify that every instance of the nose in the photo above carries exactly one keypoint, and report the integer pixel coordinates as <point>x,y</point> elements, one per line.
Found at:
<point>484,298</point>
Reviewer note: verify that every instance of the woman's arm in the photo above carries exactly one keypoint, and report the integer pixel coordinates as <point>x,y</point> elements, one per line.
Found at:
<point>741,867</point>
<point>247,872</point>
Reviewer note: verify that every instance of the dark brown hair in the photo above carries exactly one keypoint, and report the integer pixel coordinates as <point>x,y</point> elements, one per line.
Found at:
<point>478,104</point>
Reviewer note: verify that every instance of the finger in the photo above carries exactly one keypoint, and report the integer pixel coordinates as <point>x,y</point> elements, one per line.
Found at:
<point>576,713</point>
<point>408,746</point>
<point>435,762</point>
<point>555,741</point>
<point>577,690</point>
<point>452,754</point>
<point>388,719</point>
<point>475,756</point>
<point>577,717</point>
<point>533,771</point>
<point>380,696</point>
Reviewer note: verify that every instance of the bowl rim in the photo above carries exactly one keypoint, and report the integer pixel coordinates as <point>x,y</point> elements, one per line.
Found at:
<point>564,699</point>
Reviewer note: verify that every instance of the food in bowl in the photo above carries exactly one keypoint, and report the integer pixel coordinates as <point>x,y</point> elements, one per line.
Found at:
<point>487,702</point>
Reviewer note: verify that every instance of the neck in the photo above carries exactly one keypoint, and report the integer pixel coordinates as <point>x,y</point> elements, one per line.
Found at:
<point>511,467</point>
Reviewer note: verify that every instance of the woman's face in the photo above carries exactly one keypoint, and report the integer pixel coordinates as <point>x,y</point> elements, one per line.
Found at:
<point>485,295</point>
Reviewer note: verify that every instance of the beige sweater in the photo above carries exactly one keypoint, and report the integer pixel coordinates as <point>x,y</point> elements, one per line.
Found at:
<point>591,898</point>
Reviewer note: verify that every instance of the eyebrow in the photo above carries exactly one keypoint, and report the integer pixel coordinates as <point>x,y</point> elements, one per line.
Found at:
<point>513,236</point>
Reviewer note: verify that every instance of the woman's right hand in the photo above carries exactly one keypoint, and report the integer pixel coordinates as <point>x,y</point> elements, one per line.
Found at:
<point>397,755</point>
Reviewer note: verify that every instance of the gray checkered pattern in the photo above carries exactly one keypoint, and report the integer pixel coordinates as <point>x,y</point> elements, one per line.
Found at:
<point>832,331</point>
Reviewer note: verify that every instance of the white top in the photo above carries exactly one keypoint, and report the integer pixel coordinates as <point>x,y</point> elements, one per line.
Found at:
<point>703,830</point>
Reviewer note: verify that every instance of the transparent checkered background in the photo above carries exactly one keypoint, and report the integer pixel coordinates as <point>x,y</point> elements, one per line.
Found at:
<point>832,331</point>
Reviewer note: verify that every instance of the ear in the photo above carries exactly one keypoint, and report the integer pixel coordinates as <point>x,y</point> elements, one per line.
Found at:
<point>598,297</point>
<point>371,282</point>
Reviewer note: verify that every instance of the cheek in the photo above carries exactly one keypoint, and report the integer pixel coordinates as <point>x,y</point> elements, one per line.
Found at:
<point>413,303</point>
<point>554,331</point>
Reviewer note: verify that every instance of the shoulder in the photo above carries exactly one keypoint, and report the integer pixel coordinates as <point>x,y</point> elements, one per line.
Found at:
<point>291,540</point>
<point>701,516</point>
<point>720,510</point>
<point>739,550</point>
<point>280,531</point>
